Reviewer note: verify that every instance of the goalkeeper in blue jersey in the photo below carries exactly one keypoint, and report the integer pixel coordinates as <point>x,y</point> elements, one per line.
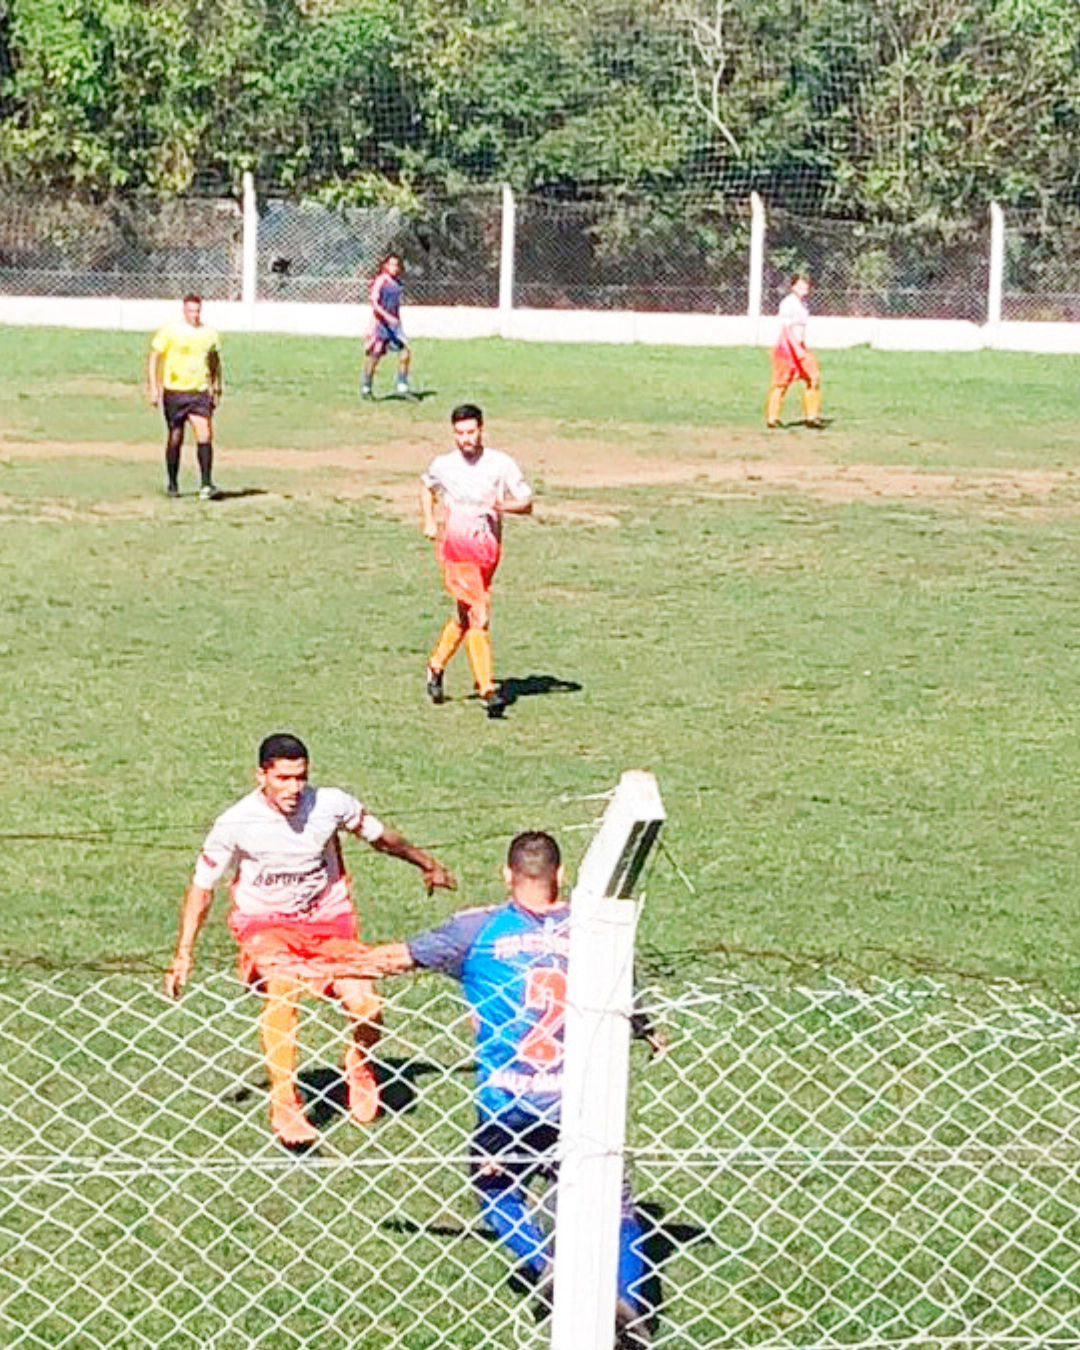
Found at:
<point>511,960</point>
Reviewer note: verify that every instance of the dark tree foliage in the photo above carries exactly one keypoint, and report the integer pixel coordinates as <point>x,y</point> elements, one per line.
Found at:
<point>889,110</point>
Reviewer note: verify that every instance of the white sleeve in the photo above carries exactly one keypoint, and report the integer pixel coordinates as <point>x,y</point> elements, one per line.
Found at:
<point>430,477</point>
<point>353,816</point>
<point>217,855</point>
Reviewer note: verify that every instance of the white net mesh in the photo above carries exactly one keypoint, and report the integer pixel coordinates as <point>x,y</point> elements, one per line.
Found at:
<point>841,1167</point>
<point>817,1165</point>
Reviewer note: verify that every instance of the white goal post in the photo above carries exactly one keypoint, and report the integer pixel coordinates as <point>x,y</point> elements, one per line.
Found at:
<point>600,995</point>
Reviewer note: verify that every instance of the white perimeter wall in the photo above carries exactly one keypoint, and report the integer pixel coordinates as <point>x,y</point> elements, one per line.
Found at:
<point>546,325</point>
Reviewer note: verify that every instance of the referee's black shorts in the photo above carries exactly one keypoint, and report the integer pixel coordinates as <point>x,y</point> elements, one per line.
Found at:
<point>180,404</point>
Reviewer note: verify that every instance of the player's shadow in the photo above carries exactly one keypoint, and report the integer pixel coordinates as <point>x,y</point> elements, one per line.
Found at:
<point>527,686</point>
<point>662,1241</point>
<point>325,1093</point>
<point>413,396</point>
<point>232,494</point>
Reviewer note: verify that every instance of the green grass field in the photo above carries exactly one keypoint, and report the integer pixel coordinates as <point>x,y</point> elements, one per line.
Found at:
<point>851,659</point>
<point>856,686</point>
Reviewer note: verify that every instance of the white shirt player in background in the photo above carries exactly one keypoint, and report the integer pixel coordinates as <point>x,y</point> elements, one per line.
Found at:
<point>792,360</point>
<point>474,487</point>
<point>293,917</point>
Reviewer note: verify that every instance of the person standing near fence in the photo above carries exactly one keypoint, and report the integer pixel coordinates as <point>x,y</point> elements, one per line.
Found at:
<point>184,376</point>
<point>792,360</point>
<point>511,960</point>
<point>475,487</point>
<point>294,919</point>
<point>386,333</point>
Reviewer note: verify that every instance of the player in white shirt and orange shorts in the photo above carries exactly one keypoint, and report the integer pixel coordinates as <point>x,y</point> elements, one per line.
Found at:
<point>792,360</point>
<point>293,917</point>
<point>475,487</point>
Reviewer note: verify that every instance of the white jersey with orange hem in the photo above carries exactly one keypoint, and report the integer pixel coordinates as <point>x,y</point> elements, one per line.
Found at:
<point>288,868</point>
<point>794,314</point>
<point>469,493</point>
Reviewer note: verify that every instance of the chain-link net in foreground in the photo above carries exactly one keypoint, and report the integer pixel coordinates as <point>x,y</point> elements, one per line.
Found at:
<point>818,1165</point>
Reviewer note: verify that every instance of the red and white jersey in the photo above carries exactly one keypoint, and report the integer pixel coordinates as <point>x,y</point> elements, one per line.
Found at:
<point>288,868</point>
<point>468,492</point>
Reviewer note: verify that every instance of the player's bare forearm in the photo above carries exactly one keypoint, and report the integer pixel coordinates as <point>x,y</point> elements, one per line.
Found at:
<point>427,512</point>
<point>436,877</point>
<point>193,912</point>
<point>510,507</point>
<point>392,958</point>
<point>217,376</point>
<point>153,378</point>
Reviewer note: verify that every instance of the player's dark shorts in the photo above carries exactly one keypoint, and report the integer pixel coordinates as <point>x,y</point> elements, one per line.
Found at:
<point>514,1144</point>
<point>178,405</point>
<point>382,338</point>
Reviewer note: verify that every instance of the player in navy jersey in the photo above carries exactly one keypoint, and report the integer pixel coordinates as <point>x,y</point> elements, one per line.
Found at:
<point>511,961</point>
<point>386,333</point>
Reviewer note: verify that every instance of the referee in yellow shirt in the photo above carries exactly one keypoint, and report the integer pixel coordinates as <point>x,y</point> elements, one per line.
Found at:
<point>183,375</point>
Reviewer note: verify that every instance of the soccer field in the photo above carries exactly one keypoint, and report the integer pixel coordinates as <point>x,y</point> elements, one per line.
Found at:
<point>848,656</point>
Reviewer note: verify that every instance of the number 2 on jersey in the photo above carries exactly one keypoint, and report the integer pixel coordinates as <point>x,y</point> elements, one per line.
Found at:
<point>545,989</point>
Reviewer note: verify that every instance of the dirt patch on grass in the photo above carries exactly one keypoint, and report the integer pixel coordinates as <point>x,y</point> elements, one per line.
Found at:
<point>747,465</point>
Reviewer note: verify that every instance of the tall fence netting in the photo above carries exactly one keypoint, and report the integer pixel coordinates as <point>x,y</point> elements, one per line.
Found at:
<point>686,255</point>
<point>131,248</point>
<point>817,1165</point>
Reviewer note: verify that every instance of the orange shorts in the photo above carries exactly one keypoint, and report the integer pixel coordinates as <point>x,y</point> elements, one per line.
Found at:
<point>787,368</point>
<point>469,583</point>
<point>313,955</point>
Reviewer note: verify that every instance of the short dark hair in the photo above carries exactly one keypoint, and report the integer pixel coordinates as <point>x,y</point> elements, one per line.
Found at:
<point>466,412</point>
<point>281,746</point>
<point>533,854</point>
<point>192,298</point>
<point>800,276</point>
<point>386,258</point>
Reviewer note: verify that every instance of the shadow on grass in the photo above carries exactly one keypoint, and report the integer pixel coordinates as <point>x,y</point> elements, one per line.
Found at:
<point>326,1095</point>
<point>528,686</point>
<point>819,424</point>
<point>232,494</point>
<point>413,396</point>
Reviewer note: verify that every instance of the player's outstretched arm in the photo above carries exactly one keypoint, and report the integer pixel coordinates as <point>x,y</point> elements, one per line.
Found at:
<point>193,912</point>
<point>392,958</point>
<point>436,877</point>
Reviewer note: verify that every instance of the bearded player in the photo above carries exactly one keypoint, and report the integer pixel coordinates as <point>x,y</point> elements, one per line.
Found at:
<point>792,360</point>
<point>294,919</point>
<point>475,487</point>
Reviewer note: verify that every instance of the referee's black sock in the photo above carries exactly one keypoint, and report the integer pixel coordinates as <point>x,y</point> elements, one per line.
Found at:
<point>205,451</point>
<point>173,447</point>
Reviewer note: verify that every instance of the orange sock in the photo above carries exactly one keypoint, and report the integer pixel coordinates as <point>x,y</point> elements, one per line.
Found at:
<point>811,403</point>
<point>478,645</point>
<point>448,643</point>
<point>773,405</point>
<point>277,1027</point>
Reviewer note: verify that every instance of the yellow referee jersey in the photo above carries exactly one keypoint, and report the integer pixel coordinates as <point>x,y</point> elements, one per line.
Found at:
<point>186,351</point>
